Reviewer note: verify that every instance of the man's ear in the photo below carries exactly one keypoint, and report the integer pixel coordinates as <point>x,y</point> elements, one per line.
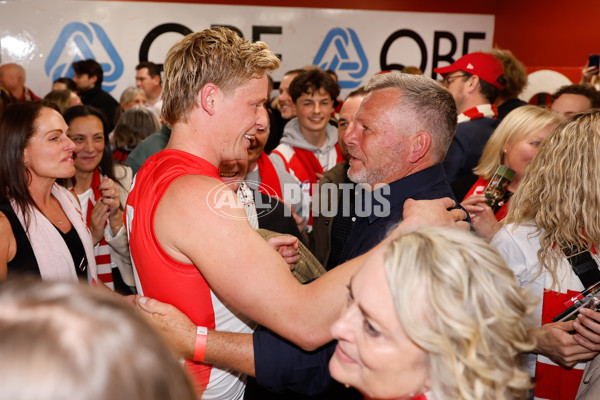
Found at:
<point>472,84</point>
<point>208,98</point>
<point>94,79</point>
<point>419,147</point>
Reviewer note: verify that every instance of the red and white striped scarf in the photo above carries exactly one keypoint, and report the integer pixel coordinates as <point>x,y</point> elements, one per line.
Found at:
<point>477,112</point>
<point>102,249</point>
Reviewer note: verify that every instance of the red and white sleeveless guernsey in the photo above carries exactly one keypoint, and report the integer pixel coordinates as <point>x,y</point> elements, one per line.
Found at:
<point>161,277</point>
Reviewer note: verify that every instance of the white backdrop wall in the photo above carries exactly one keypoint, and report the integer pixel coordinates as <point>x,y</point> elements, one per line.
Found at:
<point>45,37</point>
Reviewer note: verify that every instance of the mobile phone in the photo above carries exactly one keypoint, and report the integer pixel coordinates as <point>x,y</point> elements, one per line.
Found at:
<point>594,61</point>
<point>591,300</point>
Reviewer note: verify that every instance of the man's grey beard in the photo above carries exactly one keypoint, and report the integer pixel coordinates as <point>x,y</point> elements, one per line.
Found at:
<point>365,176</point>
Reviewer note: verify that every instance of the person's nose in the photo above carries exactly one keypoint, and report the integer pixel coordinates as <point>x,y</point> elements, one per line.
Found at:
<point>317,108</point>
<point>351,136</point>
<point>69,145</point>
<point>88,145</point>
<point>284,96</point>
<point>263,118</point>
<point>343,328</point>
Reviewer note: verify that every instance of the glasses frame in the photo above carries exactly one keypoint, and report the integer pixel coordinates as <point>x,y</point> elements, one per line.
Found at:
<point>447,80</point>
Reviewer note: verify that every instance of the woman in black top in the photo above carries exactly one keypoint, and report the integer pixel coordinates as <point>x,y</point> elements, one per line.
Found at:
<point>42,231</point>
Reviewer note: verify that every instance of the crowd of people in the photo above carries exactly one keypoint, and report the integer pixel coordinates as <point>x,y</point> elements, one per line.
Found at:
<point>416,240</point>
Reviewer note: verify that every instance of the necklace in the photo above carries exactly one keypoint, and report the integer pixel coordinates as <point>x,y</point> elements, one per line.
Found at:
<point>53,213</point>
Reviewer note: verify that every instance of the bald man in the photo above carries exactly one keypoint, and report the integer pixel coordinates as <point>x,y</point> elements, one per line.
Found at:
<point>12,77</point>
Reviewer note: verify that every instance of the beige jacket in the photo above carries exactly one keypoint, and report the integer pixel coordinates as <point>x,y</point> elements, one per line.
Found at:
<point>589,388</point>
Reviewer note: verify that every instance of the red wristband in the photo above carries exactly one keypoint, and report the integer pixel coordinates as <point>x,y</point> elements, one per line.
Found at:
<point>200,347</point>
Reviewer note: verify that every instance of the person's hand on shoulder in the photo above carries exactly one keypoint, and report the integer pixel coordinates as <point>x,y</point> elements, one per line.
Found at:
<point>438,212</point>
<point>174,326</point>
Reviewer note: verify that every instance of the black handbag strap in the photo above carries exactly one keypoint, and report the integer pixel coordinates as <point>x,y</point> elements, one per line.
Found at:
<point>585,267</point>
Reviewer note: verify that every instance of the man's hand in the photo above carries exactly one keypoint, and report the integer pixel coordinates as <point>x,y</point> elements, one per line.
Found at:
<point>225,349</point>
<point>174,326</point>
<point>433,212</point>
<point>287,247</point>
<point>555,342</point>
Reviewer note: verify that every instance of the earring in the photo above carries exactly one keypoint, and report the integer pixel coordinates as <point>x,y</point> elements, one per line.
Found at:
<point>504,150</point>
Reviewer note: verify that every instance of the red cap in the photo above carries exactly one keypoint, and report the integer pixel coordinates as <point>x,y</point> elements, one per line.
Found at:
<point>485,66</point>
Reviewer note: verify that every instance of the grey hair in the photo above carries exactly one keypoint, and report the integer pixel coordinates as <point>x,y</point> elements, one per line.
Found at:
<point>135,125</point>
<point>427,107</point>
<point>129,93</point>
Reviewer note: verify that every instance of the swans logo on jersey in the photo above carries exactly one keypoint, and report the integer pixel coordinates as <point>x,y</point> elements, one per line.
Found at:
<point>342,52</point>
<point>78,41</point>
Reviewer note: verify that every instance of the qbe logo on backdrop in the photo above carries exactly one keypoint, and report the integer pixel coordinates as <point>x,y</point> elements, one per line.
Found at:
<point>342,51</point>
<point>78,41</point>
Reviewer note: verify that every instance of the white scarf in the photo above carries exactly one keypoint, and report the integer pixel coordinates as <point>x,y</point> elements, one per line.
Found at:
<point>50,250</point>
<point>246,196</point>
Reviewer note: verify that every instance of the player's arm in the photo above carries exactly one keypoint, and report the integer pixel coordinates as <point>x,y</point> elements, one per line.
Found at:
<point>245,271</point>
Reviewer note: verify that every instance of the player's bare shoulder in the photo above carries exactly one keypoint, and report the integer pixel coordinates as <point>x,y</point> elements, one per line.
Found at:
<point>190,190</point>
<point>195,198</point>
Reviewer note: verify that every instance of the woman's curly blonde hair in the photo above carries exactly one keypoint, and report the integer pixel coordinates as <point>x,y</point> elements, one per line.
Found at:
<point>560,194</point>
<point>471,319</point>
